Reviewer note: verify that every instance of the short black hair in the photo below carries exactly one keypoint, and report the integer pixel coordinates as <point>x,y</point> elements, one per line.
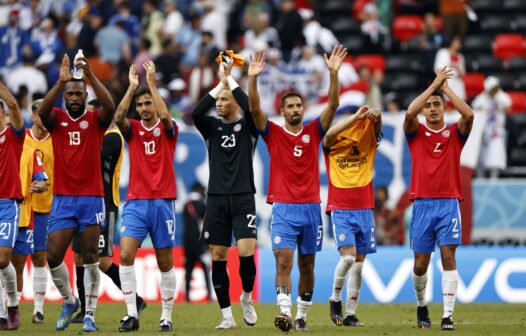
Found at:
<point>438,94</point>
<point>81,80</point>
<point>141,91</point>
<point>2,105</point>
<point>288,95</point>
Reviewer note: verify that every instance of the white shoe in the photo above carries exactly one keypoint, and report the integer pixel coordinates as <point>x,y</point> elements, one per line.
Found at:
<point>227,323</point>
<point>249,313</point>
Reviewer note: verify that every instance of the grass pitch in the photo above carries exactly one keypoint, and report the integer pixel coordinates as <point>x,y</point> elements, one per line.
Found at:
<point>379,319</point>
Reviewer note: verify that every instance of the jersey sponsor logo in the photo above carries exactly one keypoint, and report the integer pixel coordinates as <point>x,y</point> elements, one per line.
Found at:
<point>84,124</point>
<point>237,128</point>
<point>157,132</point>
<point>277,240</point>
<point>305,138</point>
<point>2,139</point>
<point>446,134</point>
<point>64,124</point>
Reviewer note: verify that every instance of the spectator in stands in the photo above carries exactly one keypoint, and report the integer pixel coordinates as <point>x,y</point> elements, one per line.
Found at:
<point>386,225</point>
<point>113,43</point>
<point>143,55</point>
<point>208,46</point>
<point>453,58</point>
<point>179,104</point>
<point>290,28</point>
<point>254,10</point>
<point>455,20</point>
<point>428,42</point>
<point>377,36</point>
<point>129,22</point>
<point>392,103</point>
<point>260,36</point>
<point>202,78</point>
<point>496,103</point>
<point>91,24</point>
<point>317,37</point>
<point>12,40</point>
<point>314,65</point>
<point>46,63</point>
<point>152,22</point>
<point>174,20</point>
<point>215,20</point>
<point>29,76</point>
<point>167,64</point>
<point>45,39</point>
<point>189,41</point>
<point>374,93</point>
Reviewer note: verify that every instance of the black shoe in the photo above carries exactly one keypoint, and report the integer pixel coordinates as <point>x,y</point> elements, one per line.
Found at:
<point>447,323</point>
<point>352,321</point>
<point>283,322</point>
<point>300,325</point>
<point>422,316</point>
<point>38,318</point>
<point>165,326</point>
<point>129,323</point>
<point>79,318</point>
<point>141,304</point>
<point>336,312</point>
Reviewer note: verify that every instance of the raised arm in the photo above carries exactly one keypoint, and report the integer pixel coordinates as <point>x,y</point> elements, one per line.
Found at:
<point>108,107</point>
<point>158,101</point>
<point>120,116</point>
<point>15,116</point>
<point>256,67</point>
<point>45,111</point>
<point>330,137</point>
<point>466,120</point>
<point>333,64</point>
<point>416,106</point>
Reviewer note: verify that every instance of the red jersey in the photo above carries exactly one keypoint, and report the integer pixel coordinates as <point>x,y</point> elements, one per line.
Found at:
<point>152,153</point>
<point>349,165</point>
<point>76,148</point>
<point>294,171</point>
<point>435,167</point>
<point>11,145</point>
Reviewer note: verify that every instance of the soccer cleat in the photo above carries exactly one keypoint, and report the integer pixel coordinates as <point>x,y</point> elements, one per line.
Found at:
<point>300,325</point>
<point>3,323</point>
<point>249,313</point>
<point>129,323</point>
<point>141,305</point>
<point>227,323</point>
<point>447,323</point>
<point>352,321</point>
<point>68,309</point>
<point>283,322</point>
<point>165,326</point>
<point>79,318</point>
<point>422,315</point>
<point>38,318</point>
<point>13,318</point>
<point>336,312</point>
<point>89,324</point>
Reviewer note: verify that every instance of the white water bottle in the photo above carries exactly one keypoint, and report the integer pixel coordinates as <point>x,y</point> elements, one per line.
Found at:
<point>78,73</point>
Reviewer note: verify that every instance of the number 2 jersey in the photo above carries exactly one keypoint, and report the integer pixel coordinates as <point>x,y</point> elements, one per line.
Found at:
<point>152,151</point>
<point>435,167</point>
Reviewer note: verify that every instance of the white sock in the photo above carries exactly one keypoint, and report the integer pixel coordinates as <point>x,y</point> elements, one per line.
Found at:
<point>8,278</point>
<point>419,284</point>
<point>285,304</point>
<point>129,288</point>
<point>449,291</point>
<point>354,283</point>
<point>3,305</point>
<point>91,287</point>
<point>18,296</point>
<point>167,294</point>
<point>39,288</point>
<point>60,277</point>
<point>303,308</point>
<point>246,297</point>
<point>227,313</point>
<point>340,275</point>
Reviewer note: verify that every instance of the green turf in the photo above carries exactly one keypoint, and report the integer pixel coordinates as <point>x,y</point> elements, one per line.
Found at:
<point>379,319</point>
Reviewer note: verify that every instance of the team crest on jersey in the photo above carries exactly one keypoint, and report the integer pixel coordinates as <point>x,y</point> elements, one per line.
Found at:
<point>157,132</point>
<point>64,124</point>
<point>2,139</point>
<point>84,124</point>
<point>305,138</point>
<point>446,134</point>
<point>237,128</point>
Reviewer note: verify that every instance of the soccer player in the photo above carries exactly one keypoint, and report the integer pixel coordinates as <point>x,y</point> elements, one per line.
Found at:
<point>150,206</point>
<point>294,186</point>
<point>34,211</point>
<point>350,148</point>
<point>11,144</point>
<point>231,141</point>
<point>78,203</point>
<point>435,189</point>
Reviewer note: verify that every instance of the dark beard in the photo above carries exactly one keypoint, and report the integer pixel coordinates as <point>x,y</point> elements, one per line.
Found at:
<point>77,114</point>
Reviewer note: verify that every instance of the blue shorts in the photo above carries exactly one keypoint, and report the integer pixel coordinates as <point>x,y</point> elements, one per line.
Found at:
<point>9,217</point>
<point>77,212</point>
<point>355,228</point>
<point>40,231</point>
<point>24,242</point>
<point>435,219</point>
<point>154,216</point>
<point>297,225</point>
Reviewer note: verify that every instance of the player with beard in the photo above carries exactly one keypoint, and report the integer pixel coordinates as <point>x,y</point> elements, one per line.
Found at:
<point>294,186</point>
<point>78,203</point>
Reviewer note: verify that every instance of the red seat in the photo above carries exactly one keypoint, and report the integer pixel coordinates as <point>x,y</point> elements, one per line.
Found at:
<point>406,27</point>
<point>474,83</point>
<point>506,46</point>
<point>518,101</point>
<point>372,61</point>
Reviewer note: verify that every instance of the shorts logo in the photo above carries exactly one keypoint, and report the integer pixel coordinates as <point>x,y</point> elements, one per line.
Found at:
<point>157,132</point>
<point>84,124</point>
<point>2,139</point>
<point>277,240</point>
<point>237,128</point>
<point>305,138</point>
<point>206,235</point>
<point>341,237</point>
<point>446,134</point>
<point>123,228</point>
